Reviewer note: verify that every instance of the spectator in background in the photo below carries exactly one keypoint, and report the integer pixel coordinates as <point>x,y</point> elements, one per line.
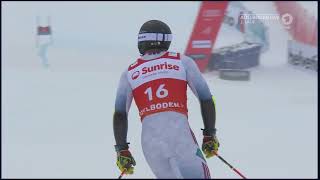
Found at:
<point>44,40</point>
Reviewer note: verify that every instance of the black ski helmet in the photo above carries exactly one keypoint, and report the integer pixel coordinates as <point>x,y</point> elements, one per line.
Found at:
<point>154,34</point>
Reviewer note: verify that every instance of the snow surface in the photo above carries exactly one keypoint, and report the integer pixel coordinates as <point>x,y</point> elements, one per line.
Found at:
<point>57,122</point>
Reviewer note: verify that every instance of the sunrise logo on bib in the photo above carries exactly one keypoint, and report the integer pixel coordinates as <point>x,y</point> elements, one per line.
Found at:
<point>135,75</point>
<point>165,65</point>
<point>159,85</point>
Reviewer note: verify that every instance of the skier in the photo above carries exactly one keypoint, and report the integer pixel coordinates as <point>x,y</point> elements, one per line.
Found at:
<point>43,41</point>
<point>157,81</point>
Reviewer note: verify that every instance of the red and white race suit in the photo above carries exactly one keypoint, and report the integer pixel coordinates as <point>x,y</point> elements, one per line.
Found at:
<point>158,85</point>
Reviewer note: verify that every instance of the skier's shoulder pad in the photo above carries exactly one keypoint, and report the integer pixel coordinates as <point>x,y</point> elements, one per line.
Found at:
<point>187,61</point>
<point>186,58</point>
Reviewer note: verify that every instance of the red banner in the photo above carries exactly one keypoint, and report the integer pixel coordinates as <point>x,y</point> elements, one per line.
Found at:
<point>304,27</point>
<point>205,31</point>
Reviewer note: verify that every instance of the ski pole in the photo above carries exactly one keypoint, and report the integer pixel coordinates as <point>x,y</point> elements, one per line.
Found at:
<point>234,169</point>
<point>122,174</point>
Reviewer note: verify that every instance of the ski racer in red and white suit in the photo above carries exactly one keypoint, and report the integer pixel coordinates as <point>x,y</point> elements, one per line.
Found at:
<point>158,84</point>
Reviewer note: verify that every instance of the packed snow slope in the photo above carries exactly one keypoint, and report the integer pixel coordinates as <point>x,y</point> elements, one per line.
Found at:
<point>57,122</point>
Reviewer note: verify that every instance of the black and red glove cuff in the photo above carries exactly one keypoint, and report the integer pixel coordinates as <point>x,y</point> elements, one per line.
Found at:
<point>125,153</point>
<point>121,147</point>
<point>209,132</point>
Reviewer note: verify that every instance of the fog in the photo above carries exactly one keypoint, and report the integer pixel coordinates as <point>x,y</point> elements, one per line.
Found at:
<point>57,122</point>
